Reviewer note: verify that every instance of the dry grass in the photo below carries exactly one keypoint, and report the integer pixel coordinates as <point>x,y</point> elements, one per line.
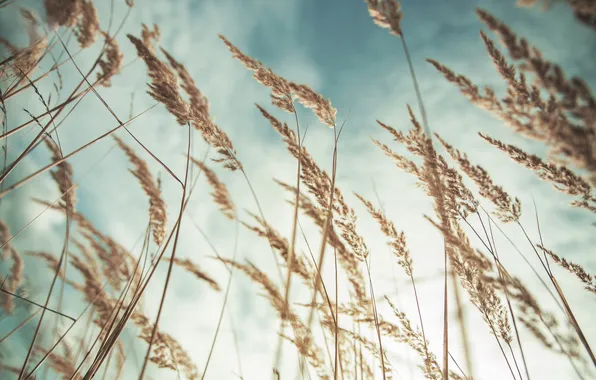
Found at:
<point>112,282</point>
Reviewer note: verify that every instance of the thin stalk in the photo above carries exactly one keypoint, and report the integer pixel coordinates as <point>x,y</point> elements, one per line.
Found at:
<point>225,301</point>
<point>171,263</point>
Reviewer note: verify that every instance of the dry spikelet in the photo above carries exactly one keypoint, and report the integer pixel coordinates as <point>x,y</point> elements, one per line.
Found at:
<point>523,110</point>
<point>283,91</point>
<point>543,325</point>
<point>281,94</point>
<point>219,192</point>
<point>87,255</point>
<point>62,12</point>
<point>472,267</point>
<point>63,364</point>
<point>318,183</point>
<point>302,339</point>
<point>281,245</point>
<point>370,347</point>
<point>397,239</point>
<point>413,338</point>
<point>117,263</point>
<point>150,36</point>
<point>576,269</point>
<point>555,110</point>
<point>163,86</point>
<point>87,24</point>
<point>387,14</point>
<point>49,259</point>
<point>5,236</point>
<point>111,63</point>
<point>561,177</point>
<point>157,206</point>
<point>111,262</point>
<point>26,60</point>
<point>584,10</point>
<point>508,208</point>
<point>198,101</point>
<point>166,351</point>
<point>321,107</point>
<point>202,121</point>
<point>194,268</point>
<point>469,264</point>
<point>94,292</point>
<point>63,176</point>
<point>348,261</point>
<point>15,275</point>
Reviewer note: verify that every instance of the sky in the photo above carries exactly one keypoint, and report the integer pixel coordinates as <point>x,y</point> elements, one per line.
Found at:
<point>334,47</point>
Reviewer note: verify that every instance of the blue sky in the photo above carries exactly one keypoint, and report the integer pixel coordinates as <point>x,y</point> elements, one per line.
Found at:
<point>334,47</point>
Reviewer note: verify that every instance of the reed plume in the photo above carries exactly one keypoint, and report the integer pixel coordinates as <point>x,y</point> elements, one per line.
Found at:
<point>15,276</point>
<point>220,193</point>
<point>580,273</point>
<point>387,14</point>
<point>561,177</point>
<point>112,63</point>
<point>283,91</point>
<point>164,85</point>
<point>196,270</point>
<point>508,208</point>
<point>157,206</point>
<point>63,176</point>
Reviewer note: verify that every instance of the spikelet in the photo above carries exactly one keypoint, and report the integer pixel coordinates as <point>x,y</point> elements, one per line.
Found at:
<point>87,255</point>
<point>322,107</point>
<point>166,351</point>
<point>584,10</point>
<point>555,110</point>
<point>387,14</point>
<point>198,112</point>
<point>414,339</point>
<point>150,36</point>
<point>62,12</point>
<point>164,85</point>
<point>469,264</point>
<point>220,193</point>
<point>281,94</point>
<point>397,239</point>
<point>318,183</point>
<point>283,91</point>
<point>508,208</point>
<point>576,269</point>
<point>281,245</point>
<point>542,324</point>
<point>63,364</point>
<point>117,263</point>
<point>63,176</point>
<point>348,261</point>
<point>561,177</point>
<point>5,236</point>
<point>93,291</point>
<point>15,276</point>
<point>87,24</point>
<point>194,268</point>
<point>198,102</point>
<point>157,206</point>
<point>302,340</point>
<point>26,60</point>
<point>111,62</point>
